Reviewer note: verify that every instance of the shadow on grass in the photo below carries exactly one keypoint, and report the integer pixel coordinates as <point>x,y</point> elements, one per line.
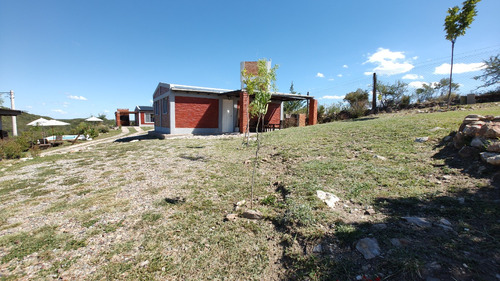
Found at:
<point>137,138</point>
<point>461,241</point>
<point>471,166</point>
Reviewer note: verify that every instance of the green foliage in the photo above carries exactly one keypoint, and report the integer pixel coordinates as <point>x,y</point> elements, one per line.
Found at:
<point>290,107</point>
<point>298,214</point>
<point>10,149</point>
<point>491,74</point>
<point>428,91</point>
<point>458,20</point>
<point>358,101</point>
<point>391,94</point>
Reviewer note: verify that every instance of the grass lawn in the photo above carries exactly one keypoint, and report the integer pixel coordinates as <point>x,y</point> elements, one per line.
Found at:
<point>155,209</point>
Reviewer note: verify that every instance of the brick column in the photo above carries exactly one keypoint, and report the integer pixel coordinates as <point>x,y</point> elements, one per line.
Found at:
<point>243,113</point>
<point>313,112</point>
<point>117,116</point>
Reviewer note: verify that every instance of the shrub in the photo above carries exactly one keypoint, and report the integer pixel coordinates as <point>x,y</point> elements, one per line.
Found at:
<point>10,149</point>
<point>103,129</point>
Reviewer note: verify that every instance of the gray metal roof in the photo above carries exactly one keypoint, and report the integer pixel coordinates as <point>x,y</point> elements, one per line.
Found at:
<point>144,108</point>
<point>184,88</point>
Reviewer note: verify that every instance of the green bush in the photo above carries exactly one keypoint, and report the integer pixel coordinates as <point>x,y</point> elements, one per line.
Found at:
<point>10,149</point>
<point>103,129</point>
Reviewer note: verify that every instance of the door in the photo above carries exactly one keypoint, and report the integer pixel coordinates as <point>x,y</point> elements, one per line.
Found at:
<point>227,116</point>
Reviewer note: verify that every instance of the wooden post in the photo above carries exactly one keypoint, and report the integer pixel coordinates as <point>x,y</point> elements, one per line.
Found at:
<point>374,98</point>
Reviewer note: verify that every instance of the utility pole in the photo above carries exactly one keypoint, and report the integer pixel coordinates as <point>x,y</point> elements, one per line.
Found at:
<point>374,98</point>
<point>14,118</point>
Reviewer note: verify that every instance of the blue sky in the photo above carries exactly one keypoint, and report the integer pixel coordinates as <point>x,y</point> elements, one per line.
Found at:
<point>69,59</point>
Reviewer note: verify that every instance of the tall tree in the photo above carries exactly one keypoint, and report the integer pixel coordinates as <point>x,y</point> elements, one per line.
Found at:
<point>260,86</point>
<point>290,107</point>
<point>455,24</point>
<point>491,74</point>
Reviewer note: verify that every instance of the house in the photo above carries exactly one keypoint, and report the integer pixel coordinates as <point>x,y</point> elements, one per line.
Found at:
<point>181,109</point>
<point>143,116</point>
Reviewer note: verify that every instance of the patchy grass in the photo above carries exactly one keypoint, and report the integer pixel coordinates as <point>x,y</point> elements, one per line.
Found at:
<point>156,208</point>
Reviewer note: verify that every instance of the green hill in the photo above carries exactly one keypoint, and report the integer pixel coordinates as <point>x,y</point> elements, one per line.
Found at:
<point>25,118</point>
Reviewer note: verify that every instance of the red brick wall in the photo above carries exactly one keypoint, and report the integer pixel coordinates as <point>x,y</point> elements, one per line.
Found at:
<point>143,119</point>
<point>273,114</point>
<point>196,112</point>
<point>313,112</point>
<point>243,111</point>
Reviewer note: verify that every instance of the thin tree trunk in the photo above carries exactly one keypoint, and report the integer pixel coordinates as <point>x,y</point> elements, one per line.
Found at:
<point>451,71</point>
<point>256,160</point>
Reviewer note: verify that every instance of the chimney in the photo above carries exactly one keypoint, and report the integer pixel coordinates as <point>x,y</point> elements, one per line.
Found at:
<point>251,67</point>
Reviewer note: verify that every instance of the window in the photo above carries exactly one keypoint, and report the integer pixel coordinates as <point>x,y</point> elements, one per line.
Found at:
<point>165,105</point>
<point>149,117</point>
<point>156,111</point>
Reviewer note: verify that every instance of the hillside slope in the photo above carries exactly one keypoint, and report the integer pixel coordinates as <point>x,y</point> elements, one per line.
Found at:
<point>157,209</point>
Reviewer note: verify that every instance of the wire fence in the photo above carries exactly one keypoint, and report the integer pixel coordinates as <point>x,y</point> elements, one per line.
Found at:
<point>466,66</point>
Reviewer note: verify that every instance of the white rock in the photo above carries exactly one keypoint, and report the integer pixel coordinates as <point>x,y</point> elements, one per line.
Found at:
<point>494,160</point>
<point>420,222</point>
<point>327,197</point>
<point>368,247</point>
<point>422,139</point>
<point>379,157</point>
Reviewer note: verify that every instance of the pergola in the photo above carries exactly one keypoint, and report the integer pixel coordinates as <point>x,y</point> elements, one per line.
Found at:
<point>123,117</point>
<point>7,112</point>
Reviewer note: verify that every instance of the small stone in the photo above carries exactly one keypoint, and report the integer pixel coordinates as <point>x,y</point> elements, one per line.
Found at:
<point>422,139</point>
<point>379,157</point>
<point>368,247</point>
<point>380,226</point>
<point>445,222</point>
<point>420,222</point>
<point>445,227</point>
<point>486,155</point>
<point>435,129</point>
<point>252,215</point>
<point>493,146</point>
<point>144,263</point>
<point>477,143</point>
<point>327,197</point>
<point>494,160</point>
<point>231,217</point>
<point>318,249</point>
<point>461,200</point>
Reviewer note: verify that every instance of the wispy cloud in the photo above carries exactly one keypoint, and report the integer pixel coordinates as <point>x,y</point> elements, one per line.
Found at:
<point>77,97</point>
<point>389,63</point>
<point>330,79</point>
<point>345,66</point>
<point>339,75</point>
<point>413,77</point>
<point>332,97</point>
<point>459,68</point>
<point>417,84</point>
<point>320,75</point>
<point>60,111</point>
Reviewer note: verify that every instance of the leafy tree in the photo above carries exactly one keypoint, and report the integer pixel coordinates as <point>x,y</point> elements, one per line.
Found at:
<point>455,24</point>
<point>491,74</point>
<point>102,116</point>
<point>391,93</point>
<point>358,101</point>
<point>290,107</point>
<point>260,86</point>
<point>428,91</point>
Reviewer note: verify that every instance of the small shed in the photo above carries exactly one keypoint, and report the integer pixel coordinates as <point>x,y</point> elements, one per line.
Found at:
<point>144,115</point>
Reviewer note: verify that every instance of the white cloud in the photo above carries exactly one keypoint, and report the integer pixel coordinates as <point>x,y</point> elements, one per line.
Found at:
<point>413,76</point>
<point>151,101</point>
<point>417,84</point>
<point>59,111</point>
<point>320,75</point>
<point>77,97</point>
<point>333,97</point>
<point>339,75</point>
<point>330,79</point>
<point>389,63</point>
<point>345,66</point>
<point>106,111</point>
<point>459,68</point>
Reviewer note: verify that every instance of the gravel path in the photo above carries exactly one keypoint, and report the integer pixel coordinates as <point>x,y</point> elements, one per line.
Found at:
<point>92,143</point>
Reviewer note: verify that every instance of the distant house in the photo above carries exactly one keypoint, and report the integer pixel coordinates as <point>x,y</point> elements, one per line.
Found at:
<point>143,116</point>
<point>181,109</point>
